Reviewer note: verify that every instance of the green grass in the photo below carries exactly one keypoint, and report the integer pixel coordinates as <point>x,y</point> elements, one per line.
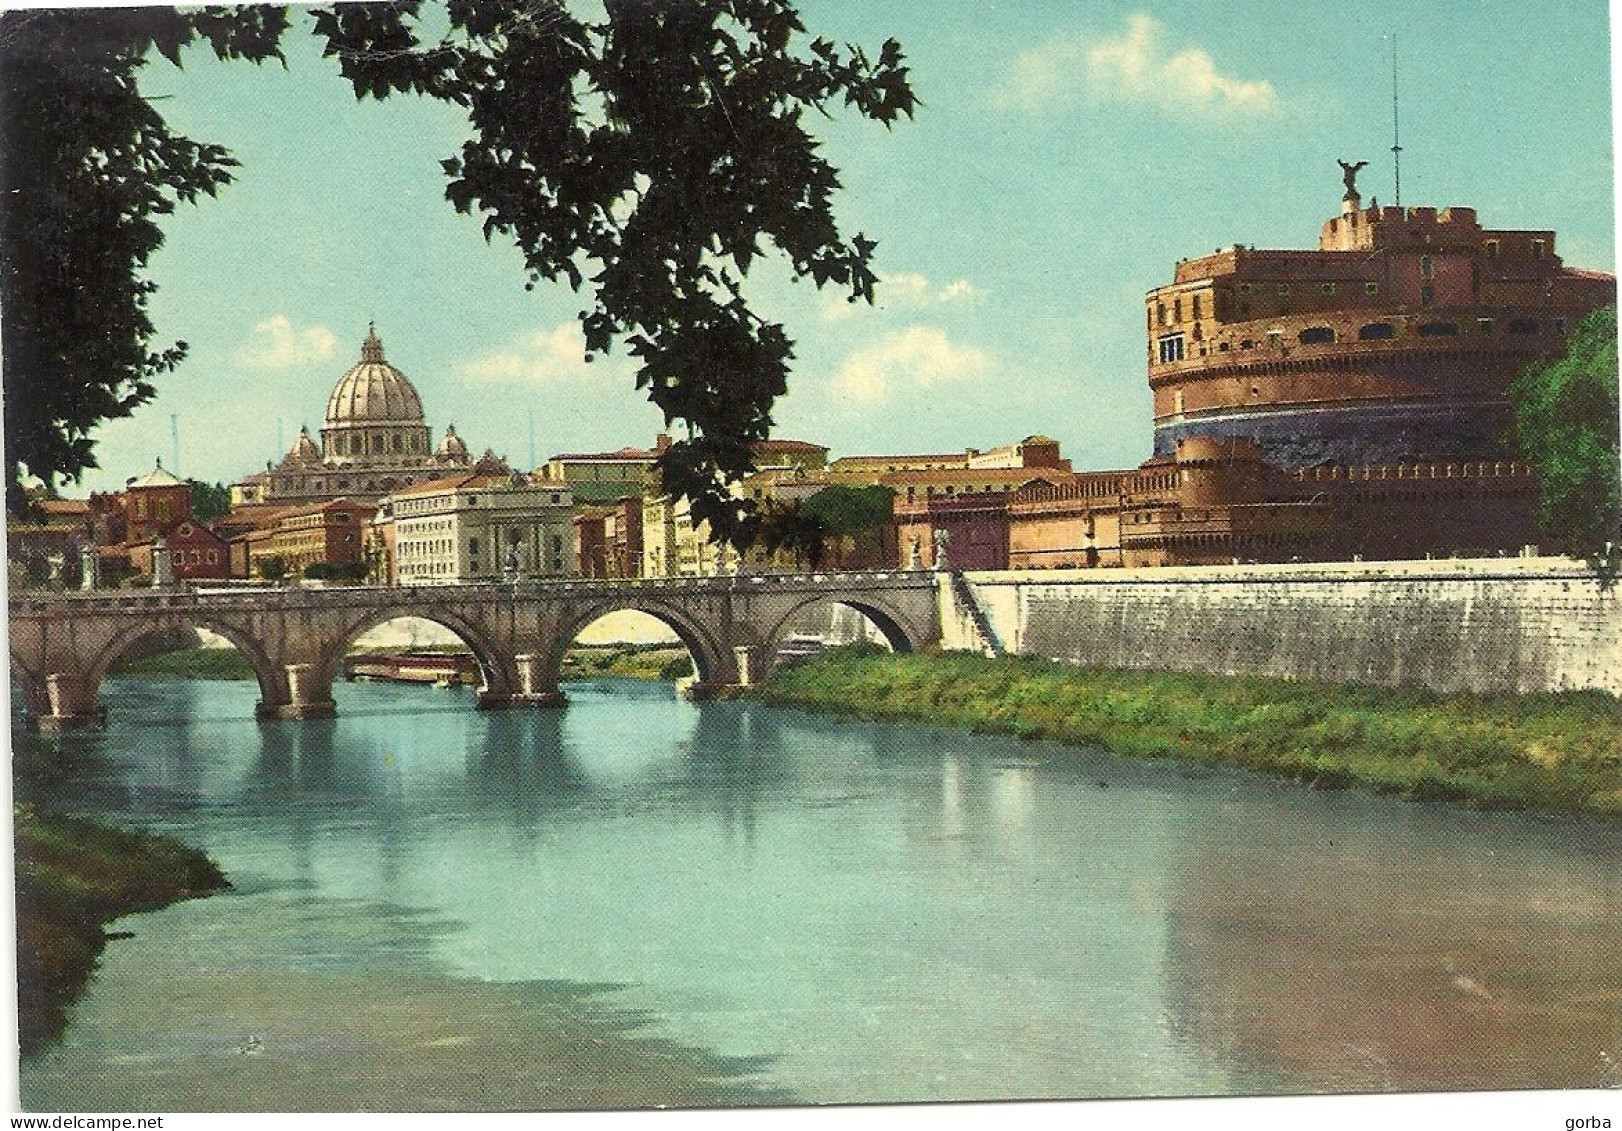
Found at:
<point>74,876</point>
<point>193,663</point>
<point>1552,752</point>
<point>633,661</point>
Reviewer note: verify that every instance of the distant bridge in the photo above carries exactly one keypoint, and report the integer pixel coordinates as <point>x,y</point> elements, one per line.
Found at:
<point>64,644</point>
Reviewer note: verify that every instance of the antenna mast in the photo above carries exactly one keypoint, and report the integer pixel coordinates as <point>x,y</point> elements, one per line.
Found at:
<point>1396,134</point>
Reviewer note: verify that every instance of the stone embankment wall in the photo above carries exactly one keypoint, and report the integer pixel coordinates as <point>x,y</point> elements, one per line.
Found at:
<point>1485,625</point>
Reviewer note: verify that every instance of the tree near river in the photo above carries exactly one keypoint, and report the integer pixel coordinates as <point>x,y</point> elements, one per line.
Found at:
<point>1566,425</point>
<point>650,157</point>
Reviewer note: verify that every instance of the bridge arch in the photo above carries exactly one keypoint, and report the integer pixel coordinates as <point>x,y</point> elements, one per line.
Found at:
<point>712,662</point>
<point>269,674</point>
<point>892,624</point>
<point>495,661</point>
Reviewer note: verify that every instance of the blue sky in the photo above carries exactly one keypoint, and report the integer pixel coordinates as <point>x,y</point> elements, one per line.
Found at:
<point>1065,156</point>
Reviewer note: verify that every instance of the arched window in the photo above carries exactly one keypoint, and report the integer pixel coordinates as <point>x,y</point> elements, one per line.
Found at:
<point>1376,332</point>
<point>1316,335</point>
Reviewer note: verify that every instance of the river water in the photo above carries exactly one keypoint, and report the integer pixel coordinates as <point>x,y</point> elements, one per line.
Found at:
<point>639,901</point>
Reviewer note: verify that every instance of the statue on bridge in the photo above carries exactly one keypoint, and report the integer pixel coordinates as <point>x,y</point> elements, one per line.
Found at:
<point>915,555</point>
<point>942,539</point>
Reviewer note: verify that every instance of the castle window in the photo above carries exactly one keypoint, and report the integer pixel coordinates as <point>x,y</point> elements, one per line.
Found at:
<point>1427,267</point>
<point>1222,346</point>
<point>1316,335</point>
<point>1275,339</point>
<point>1492,249</point>
<point>1328,288</point>
<point>1559,325</point>
<point>1427,295</point>
<point>1371,289</point>
<point>1483,325</point>
<point>1196,307</point>
<point>1244,288</point>
<point>1438,330</point>
<point>1376,332</point>
<point>1177,310</point>
<point>1539,247</point>
<point>1284,290</point>
<point>1523,326</point>
<point>1171,348</point>
<point>1247,344</point>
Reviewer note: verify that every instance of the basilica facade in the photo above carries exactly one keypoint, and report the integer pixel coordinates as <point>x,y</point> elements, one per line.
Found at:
<point>375,440</point>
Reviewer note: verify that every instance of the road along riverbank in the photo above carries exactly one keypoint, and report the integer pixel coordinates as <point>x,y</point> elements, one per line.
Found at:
<point>1559,752</point>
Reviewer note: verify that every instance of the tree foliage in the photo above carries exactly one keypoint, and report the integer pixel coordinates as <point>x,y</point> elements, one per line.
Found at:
<point>87,166</point>
<point>1566,425</point>
<point>650,157</point>
<point>209,501</point>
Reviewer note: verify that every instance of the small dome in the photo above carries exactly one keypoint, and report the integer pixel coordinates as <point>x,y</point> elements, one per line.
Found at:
<point>373,392</point>
<point>304,450</point>
<point>452,447</point>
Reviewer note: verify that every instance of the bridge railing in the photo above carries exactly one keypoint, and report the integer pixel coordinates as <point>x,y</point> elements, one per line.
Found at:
<point>187,595</point>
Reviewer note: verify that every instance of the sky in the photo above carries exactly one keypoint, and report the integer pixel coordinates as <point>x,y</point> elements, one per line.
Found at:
<point>1064,157</point>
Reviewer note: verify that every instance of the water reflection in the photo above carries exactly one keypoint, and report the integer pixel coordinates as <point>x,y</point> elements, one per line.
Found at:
<point>1382,947</point>
<point>891,913</point>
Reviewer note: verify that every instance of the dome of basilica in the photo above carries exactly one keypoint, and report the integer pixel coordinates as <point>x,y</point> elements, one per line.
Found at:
<point>373,392</point>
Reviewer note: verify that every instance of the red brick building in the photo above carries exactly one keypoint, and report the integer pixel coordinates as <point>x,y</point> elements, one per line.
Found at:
<point>1393,342</point>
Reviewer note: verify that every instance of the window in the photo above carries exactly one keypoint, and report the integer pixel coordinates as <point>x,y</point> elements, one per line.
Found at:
<point>1275,339</point>
<point>1177,310</point>
<point>1559,325</point>
<point>1244,288</point>
<point>1371,289</point>
<point>1284,290</point>
<point>1328,288</point>
<point>1492,249</point>
<point>1427,267</point>
<point>1171,348</point>
<point>472,545</point>
<point>1539,247</point>
<point>1427,295</point>
<point>1483,325</point>
<point>1316,335</point>
<point>1196,307</point>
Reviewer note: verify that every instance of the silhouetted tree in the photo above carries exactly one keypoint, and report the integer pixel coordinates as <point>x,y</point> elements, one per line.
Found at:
<point>650,156</point>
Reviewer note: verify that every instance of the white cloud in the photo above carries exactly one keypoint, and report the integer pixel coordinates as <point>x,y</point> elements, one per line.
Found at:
<point>918,357</point>
<point>905,289</point>
<point>1136,65</point>
<point>547,357</point>
<point>277,344</point>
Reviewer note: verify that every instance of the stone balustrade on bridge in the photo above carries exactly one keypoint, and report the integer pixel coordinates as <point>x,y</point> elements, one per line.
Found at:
<point>295,637</point>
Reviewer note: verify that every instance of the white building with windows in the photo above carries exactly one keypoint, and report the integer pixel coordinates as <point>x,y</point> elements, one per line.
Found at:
<point>478,527</point>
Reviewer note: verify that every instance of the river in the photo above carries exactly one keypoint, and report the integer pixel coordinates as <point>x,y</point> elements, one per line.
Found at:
<point>640,901</point>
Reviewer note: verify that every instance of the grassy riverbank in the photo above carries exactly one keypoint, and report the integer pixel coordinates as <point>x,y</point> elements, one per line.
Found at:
<point>73,877</point>
<point>1553,752</point>
<point>634,661</point>
<point>192,663</point>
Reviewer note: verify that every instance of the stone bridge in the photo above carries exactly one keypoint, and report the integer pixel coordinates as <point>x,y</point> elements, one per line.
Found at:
<point>63,645</point>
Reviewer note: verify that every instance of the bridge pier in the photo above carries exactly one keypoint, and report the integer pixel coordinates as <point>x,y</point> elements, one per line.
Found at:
<point>307,696</point>
<point>73,701</point>
<point>535,687</point>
